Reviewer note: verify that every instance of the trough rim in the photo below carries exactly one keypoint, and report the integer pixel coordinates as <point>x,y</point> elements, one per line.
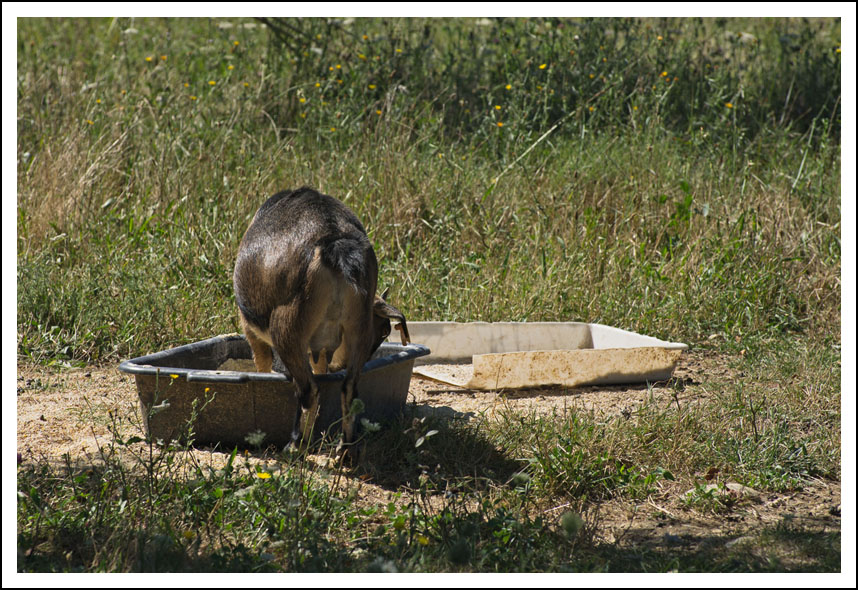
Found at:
<point>146,365</point>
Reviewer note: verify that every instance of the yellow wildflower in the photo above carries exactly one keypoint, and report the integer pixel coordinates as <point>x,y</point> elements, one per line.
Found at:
<point>729,105</point>
<point>509,86</point>
<point>372,86</point>
<point>148,58</point>
<point>497,107</point>
<point>500,124</point>
<point>263,475</point>
<point>542,67</point>
<point>212,82</point>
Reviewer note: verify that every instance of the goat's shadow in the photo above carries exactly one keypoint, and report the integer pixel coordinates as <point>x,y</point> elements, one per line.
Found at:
<point>435,446</point>
<point>459,451</point>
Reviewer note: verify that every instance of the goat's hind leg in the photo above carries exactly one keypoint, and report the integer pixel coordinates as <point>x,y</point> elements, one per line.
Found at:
<point>346,399</point>
<point>307,408</point>
<point>352,343</point>
<point>263,358</point>
<point>306,412</point>
<point>292,350</point>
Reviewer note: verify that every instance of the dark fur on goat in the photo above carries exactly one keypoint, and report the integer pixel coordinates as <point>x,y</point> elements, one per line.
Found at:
<point>305,282</point>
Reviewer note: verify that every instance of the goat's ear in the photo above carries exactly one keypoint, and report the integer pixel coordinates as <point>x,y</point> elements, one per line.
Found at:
<point>385,310</point>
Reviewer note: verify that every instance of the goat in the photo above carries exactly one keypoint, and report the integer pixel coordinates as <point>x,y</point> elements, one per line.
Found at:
<point>305,282</point>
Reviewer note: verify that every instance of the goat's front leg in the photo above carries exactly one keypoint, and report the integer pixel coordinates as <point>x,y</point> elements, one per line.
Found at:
<point>319,361</point>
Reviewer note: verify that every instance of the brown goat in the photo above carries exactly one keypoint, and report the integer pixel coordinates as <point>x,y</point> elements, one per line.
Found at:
<point>305,282</point>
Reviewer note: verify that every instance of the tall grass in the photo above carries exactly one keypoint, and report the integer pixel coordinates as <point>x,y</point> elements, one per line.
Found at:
<point>660,175</point>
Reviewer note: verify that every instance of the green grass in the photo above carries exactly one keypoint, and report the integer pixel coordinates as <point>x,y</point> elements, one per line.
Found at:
<point>725,220</point>
<point>678,178</point>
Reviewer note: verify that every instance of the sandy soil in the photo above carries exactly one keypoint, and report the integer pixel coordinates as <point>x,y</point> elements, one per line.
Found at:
<point>68,412</point>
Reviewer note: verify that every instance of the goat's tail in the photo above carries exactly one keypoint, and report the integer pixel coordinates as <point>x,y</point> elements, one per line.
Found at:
<point>354,258</point>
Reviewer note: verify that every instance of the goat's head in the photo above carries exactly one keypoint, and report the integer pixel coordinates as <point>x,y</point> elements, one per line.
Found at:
<point>383,312</point>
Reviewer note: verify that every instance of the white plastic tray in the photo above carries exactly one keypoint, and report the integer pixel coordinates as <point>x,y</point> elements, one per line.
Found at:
<point>516,355</point>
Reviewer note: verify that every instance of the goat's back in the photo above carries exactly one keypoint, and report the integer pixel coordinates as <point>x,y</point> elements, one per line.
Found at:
<point>289,231</point>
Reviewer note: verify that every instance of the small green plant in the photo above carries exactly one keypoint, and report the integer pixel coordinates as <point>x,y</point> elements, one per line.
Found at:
<point>255,438</point>
<point>709,498</point>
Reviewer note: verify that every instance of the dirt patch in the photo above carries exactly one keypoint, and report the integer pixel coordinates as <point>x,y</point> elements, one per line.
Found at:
<point>433,396</point>
<point>69,412</point>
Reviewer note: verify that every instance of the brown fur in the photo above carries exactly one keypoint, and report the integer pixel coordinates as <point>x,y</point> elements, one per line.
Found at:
<point>305,284</point>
